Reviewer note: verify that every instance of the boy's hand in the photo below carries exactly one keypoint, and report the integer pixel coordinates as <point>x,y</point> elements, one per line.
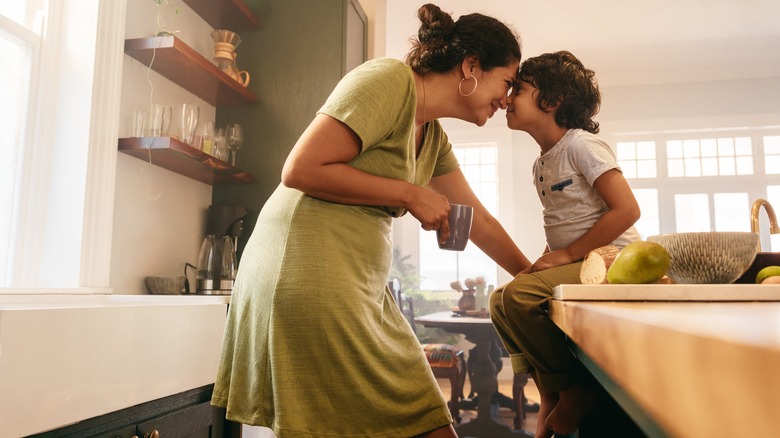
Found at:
<point>552,259</point>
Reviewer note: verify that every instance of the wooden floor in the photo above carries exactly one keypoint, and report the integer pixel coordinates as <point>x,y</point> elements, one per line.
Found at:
<point>505,415</point>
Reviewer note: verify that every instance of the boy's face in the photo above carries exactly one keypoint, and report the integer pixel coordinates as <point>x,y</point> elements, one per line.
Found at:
<point>522,110</point>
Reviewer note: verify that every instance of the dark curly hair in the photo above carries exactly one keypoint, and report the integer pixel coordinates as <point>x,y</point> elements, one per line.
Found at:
<point>562,80</point>
<point>442,43</point>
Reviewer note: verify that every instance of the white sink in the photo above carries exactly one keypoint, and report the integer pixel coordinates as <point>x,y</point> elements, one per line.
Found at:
<point>66,358</point>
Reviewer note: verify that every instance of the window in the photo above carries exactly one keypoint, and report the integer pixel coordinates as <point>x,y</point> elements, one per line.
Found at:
<point>637,159</point>
<point>692,212</point>
<point>649,223</point>
<point>723,156</point>
<point>59,83</point>
<point>702,181</point>
<point>773,196</point>
<point>20,40</point>
<point>772,155</point>
<point>438,268</point>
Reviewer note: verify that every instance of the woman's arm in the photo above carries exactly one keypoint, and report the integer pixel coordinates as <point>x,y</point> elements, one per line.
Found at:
<point>317,166</point>
<point>623,212</point>
<point>486,232</point>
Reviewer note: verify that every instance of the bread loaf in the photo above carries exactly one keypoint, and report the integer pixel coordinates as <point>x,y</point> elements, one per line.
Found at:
<point>596,264</point>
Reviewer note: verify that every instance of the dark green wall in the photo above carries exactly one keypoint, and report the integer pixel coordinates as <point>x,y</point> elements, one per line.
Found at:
<point>295,59</point>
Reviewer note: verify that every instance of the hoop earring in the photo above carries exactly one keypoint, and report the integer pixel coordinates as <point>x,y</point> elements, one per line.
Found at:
<point>460,86</point>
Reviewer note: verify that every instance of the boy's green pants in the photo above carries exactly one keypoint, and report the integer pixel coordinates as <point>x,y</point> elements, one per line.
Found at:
<point>519,312</point>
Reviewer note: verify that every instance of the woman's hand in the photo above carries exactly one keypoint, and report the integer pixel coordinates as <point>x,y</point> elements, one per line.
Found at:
<point>432,210</point>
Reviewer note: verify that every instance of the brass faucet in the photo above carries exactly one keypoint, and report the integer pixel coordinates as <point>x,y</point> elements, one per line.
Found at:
<point>770,212</point>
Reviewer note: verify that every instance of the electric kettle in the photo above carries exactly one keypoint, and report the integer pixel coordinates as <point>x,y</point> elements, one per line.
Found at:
<point>216,266</point>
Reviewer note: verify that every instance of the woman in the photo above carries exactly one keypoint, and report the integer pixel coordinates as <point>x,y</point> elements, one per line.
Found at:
<point>314,344</point>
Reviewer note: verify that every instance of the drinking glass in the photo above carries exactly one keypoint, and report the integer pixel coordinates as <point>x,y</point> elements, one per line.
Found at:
<point>189,121</point>
<point>139,123</point>
<point>220,149</point>
<point>159,120</point>
<point>235,137</point>
<point>207,138</point>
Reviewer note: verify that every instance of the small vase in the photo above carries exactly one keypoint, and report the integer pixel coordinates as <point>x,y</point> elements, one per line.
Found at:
<point>468,301</point>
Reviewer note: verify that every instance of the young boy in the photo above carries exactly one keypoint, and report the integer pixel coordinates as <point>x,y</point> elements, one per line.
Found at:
<point>587,203</point>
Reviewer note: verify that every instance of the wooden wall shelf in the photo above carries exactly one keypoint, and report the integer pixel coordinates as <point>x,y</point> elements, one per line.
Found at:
<point>184,66</point>
<point>174,155</point>
<point>225,14</point>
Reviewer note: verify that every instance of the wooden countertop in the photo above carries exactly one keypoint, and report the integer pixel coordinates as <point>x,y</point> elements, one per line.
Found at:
<point>695,368</point>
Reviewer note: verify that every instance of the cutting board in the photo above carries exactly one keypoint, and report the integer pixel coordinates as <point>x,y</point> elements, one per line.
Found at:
<point>667,292</point>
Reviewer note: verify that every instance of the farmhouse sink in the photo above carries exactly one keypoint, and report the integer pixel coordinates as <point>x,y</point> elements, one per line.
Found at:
<point>763,259</point>
<point>67,358</point>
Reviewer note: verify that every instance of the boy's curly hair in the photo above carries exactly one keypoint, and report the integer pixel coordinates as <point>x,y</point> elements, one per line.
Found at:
<point>564,82</point>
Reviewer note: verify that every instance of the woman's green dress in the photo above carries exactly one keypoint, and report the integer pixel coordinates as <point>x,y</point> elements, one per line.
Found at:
<point>315,345</point>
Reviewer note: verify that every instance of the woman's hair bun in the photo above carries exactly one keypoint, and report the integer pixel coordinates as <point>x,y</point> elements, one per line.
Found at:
<point>437,26</point>
<point>433,39</point>
<point>442,43</point>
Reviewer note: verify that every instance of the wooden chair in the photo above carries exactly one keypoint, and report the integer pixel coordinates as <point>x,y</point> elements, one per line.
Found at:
<point>446,361</point>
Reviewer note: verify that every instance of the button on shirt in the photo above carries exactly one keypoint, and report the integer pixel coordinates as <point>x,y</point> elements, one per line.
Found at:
<point>564,179</point>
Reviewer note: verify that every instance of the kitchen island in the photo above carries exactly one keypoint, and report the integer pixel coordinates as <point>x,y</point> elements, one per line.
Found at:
<point>683,367</point>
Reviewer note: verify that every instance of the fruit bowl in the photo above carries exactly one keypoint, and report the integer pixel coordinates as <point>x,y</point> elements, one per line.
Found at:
<point>716,257</point>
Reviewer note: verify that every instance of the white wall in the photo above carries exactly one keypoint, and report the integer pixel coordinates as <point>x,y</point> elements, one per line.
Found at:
<point>374,10</point>
<point>722,103</point>
<point>159,215</point>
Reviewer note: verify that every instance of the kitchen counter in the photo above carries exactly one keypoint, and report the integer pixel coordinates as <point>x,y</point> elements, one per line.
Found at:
<point>40,301</point>
<point>67,358</point>
<point>687,368</point>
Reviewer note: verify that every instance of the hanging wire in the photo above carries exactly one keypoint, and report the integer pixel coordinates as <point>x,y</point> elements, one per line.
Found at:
<point>160,26</point>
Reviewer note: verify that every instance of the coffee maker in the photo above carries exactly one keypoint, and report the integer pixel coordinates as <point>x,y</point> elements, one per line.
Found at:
<point>217,261</point>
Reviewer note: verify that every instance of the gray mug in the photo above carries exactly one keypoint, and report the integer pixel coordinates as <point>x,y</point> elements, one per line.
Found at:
<point>460,228</point>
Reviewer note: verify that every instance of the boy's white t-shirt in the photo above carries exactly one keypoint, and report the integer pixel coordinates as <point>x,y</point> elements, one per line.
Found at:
<point>564,179</point>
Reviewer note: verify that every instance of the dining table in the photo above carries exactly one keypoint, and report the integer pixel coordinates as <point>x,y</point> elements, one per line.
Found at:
<point>480,331</point>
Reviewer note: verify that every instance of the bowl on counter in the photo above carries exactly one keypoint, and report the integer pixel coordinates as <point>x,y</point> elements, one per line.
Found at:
<point>715,257</point>
<point>165,284</point>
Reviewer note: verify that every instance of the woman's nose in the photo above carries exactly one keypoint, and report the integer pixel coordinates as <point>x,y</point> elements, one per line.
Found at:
<point>503,102</point>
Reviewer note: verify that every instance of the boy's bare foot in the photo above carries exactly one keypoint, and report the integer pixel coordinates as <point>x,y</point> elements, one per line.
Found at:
<point>546,406</point>
<point>573,403</point>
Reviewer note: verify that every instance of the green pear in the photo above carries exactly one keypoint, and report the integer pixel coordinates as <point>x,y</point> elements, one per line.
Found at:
<point>639,262</point>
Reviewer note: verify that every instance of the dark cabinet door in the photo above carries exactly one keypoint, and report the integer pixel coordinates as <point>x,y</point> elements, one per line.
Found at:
<point>124,432</point>
<point>199,421</point>
<point>187,414</point>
